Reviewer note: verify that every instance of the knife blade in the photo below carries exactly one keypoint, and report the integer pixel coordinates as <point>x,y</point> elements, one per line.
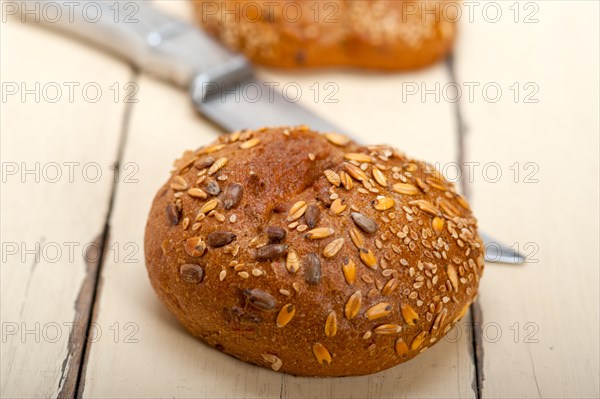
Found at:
<point>180,53</point>
<point>233,98</point>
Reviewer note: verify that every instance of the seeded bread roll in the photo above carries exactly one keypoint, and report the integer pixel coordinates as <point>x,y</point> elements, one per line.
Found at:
<point>377,34</point>
<point>309,254</point>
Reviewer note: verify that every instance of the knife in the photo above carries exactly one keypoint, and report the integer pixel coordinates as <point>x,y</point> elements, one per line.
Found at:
<point>175,51</point>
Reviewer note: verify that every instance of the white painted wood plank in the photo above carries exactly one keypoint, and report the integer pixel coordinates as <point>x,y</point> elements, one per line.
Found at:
<point>49,207</point>
<point>557,354</point>
<point>163,359</point>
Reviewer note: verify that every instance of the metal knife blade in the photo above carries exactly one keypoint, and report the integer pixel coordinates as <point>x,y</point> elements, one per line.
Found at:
<point>219,80</point>
<point>249,103</point>
<point>500,253</point>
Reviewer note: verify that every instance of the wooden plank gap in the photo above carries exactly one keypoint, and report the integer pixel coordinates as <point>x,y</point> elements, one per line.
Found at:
<point>125,126</point>
<point>461,127</point>
<point>73,365</point>
<point>476,314</point>
<point>283,389</point>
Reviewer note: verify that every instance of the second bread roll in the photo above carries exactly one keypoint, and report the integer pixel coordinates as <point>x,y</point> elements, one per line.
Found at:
<point>375,34</point>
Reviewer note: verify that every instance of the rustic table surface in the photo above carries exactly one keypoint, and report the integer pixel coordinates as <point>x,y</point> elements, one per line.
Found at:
<point>79,316</point>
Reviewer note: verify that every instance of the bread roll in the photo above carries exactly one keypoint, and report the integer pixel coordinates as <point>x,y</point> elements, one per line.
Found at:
<point>309,254</point>
<point>376,34</point>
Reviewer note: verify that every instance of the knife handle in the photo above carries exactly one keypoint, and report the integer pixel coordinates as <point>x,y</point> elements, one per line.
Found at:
<point>136,32</point>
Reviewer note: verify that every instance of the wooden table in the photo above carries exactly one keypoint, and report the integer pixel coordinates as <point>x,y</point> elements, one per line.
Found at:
<point>80,318</point>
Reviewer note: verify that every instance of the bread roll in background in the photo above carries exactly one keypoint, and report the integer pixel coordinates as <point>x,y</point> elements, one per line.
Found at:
<point>376,34</point>
<point>309,254</point>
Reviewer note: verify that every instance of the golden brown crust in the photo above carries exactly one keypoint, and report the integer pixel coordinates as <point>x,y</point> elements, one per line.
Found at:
<point>377,34</point>
<point>390,262</point>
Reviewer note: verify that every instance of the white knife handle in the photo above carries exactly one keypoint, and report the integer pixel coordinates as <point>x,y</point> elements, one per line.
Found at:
<point>135,31</point>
